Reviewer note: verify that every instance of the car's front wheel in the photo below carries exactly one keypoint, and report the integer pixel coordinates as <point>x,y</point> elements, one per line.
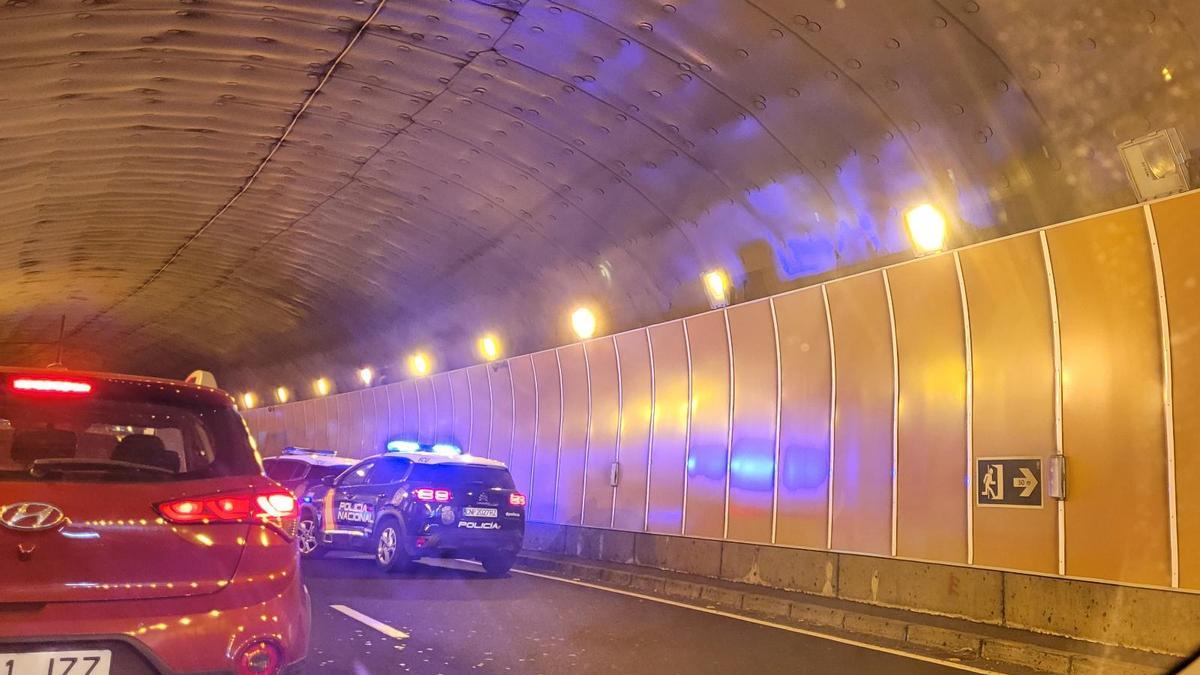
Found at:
<point>498,564</point>
<point>390,555</point>
<point>308,536</point>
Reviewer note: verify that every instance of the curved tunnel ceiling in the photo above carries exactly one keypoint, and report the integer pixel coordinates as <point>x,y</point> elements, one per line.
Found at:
<point>278,189</point>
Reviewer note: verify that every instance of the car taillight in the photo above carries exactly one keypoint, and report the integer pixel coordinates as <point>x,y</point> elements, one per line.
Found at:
<point>432,494</point>
<point>258,658</point>
<point>34,385</point>
<point>516,499</point>
<point>276,507</point>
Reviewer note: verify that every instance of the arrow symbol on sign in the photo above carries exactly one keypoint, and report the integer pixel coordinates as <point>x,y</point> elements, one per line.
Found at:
<point>1026,480</point>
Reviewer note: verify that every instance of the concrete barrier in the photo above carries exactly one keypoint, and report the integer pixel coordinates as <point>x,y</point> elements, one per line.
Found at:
<point>1166,622</point>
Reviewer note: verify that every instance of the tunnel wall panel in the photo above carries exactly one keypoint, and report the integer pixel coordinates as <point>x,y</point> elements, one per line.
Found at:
<point>1112,397</point>
<point>931,450</point>
<point>605,395</point>
<point>708,444</point>
<point>1012,350</point>
<point>753,449</point>
<point>684,422</point>
<point>443,407</point>
<point>501,423</point>
<point>526,419</point>
<point>480,421</point>
<point>461,407</point>
<point>544,481</point>
<point>633,444</point>
<point>862,455</point>
<point>1177,225</point>
<point>667,457</point>
<point>804,420</point>
<point>573,434</point>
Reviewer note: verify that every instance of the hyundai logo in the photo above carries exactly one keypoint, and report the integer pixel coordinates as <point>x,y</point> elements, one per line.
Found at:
<point>31,516</point>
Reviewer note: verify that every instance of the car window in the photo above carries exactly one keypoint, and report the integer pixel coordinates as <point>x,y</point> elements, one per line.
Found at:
<point>457,474</point>
<point>162,441</point>
<point>282,469</point>
<point>391,470</point>
<point>317,472</point>
<point>358,474</point>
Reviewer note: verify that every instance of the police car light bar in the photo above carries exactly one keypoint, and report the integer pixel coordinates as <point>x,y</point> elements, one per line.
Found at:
<point>308,451</point>
<point>446,449</point>
<point>403,446</point>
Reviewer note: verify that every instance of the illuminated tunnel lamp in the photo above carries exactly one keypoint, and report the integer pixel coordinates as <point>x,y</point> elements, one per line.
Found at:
<point>716,287</point>
<point>926,226</point>
<point>403,446</point>
<point>420,364</point>
<point>489,347</point>
<point>39,386</point>
<point>249,400</point>
<point>366,376</point>
<point>583,322</point>
<point>322,387</point>
<point>282,395</point>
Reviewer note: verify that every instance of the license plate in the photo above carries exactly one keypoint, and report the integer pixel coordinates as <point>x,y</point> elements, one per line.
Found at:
<point>471,512</point>
<point>94,662</point>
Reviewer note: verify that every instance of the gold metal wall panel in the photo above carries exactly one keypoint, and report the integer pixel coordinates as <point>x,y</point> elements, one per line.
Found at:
<point>501,430</point>
<point>481,411</point>
<point>1113,429</point>
<point>572,453</point>
<point>525,419</point>
<point>629,505</point>
<point>708,446</point>
<point>668,454</point>
<point>931,471</point>
<point>426,404</point>
<point>1176,222</point>
<point>320,422</point>
<point>410,423</point>
<point>383,419</point>
<point>460,421</point>
<point>752,452</point>
<point>545,446</point>
<point>602,437</point>
<point>862,455</point>
<point>1012,350</point>
<point>293,422</point>
<point>340,409</point>
<point>443,431</point>
<point>803,508</point>
<point>364,422</point>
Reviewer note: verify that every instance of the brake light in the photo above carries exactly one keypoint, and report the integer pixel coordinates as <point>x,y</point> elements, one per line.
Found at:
<point>40,386</point>
<point>258,658</point>
<point>516,499</point>
<point>432,494</point>
<point>275,507</point>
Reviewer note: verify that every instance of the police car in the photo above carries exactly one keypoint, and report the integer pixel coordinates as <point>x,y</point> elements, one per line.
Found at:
<point>300,469</point>
<point>417,501</point>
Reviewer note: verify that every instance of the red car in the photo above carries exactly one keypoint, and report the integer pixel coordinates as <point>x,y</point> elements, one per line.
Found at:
<point>138,533</point>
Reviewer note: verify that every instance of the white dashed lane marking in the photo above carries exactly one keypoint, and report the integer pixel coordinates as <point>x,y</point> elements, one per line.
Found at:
<point>373,623</point>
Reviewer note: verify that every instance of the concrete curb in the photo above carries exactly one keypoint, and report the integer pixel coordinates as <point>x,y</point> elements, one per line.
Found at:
<point>1010,654</point>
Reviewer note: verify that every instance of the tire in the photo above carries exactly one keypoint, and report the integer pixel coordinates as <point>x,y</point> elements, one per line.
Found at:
<point>389,548</point>
<point>498,564</point>
<point>308,537</point>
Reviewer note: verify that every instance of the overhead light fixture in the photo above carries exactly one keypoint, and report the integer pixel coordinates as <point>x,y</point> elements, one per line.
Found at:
<point>249,400</point>
<point>419,364</point>
<point>583,322</point>
<point>489,347</point>
<point>716,287</point>
<point>321,386</point>
<point>926,227</point>
<point>1156,164</point>
<point>282,394</point>
<point>366,376</point>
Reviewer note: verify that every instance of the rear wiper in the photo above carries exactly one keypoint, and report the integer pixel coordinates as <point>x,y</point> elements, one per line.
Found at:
<point>46,466</point>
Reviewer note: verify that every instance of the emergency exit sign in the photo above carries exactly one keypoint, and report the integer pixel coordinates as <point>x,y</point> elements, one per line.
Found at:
<point>1008,481</point>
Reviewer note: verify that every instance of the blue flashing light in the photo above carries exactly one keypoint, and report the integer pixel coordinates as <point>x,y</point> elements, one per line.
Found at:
<point>446,449</point>
<point>403,446</point>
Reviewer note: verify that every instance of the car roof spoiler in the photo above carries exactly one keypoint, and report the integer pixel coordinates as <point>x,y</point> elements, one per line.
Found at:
<point>202,378</point>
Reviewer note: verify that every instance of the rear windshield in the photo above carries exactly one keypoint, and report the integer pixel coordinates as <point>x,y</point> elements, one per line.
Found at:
<point>457,474</point>
<point>95,439</point>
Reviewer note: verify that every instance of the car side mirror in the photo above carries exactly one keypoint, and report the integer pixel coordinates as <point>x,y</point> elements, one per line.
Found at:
<point>329,480</point>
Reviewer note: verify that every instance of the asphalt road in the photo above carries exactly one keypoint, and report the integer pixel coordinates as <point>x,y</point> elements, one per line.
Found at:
<point>447,617</point>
